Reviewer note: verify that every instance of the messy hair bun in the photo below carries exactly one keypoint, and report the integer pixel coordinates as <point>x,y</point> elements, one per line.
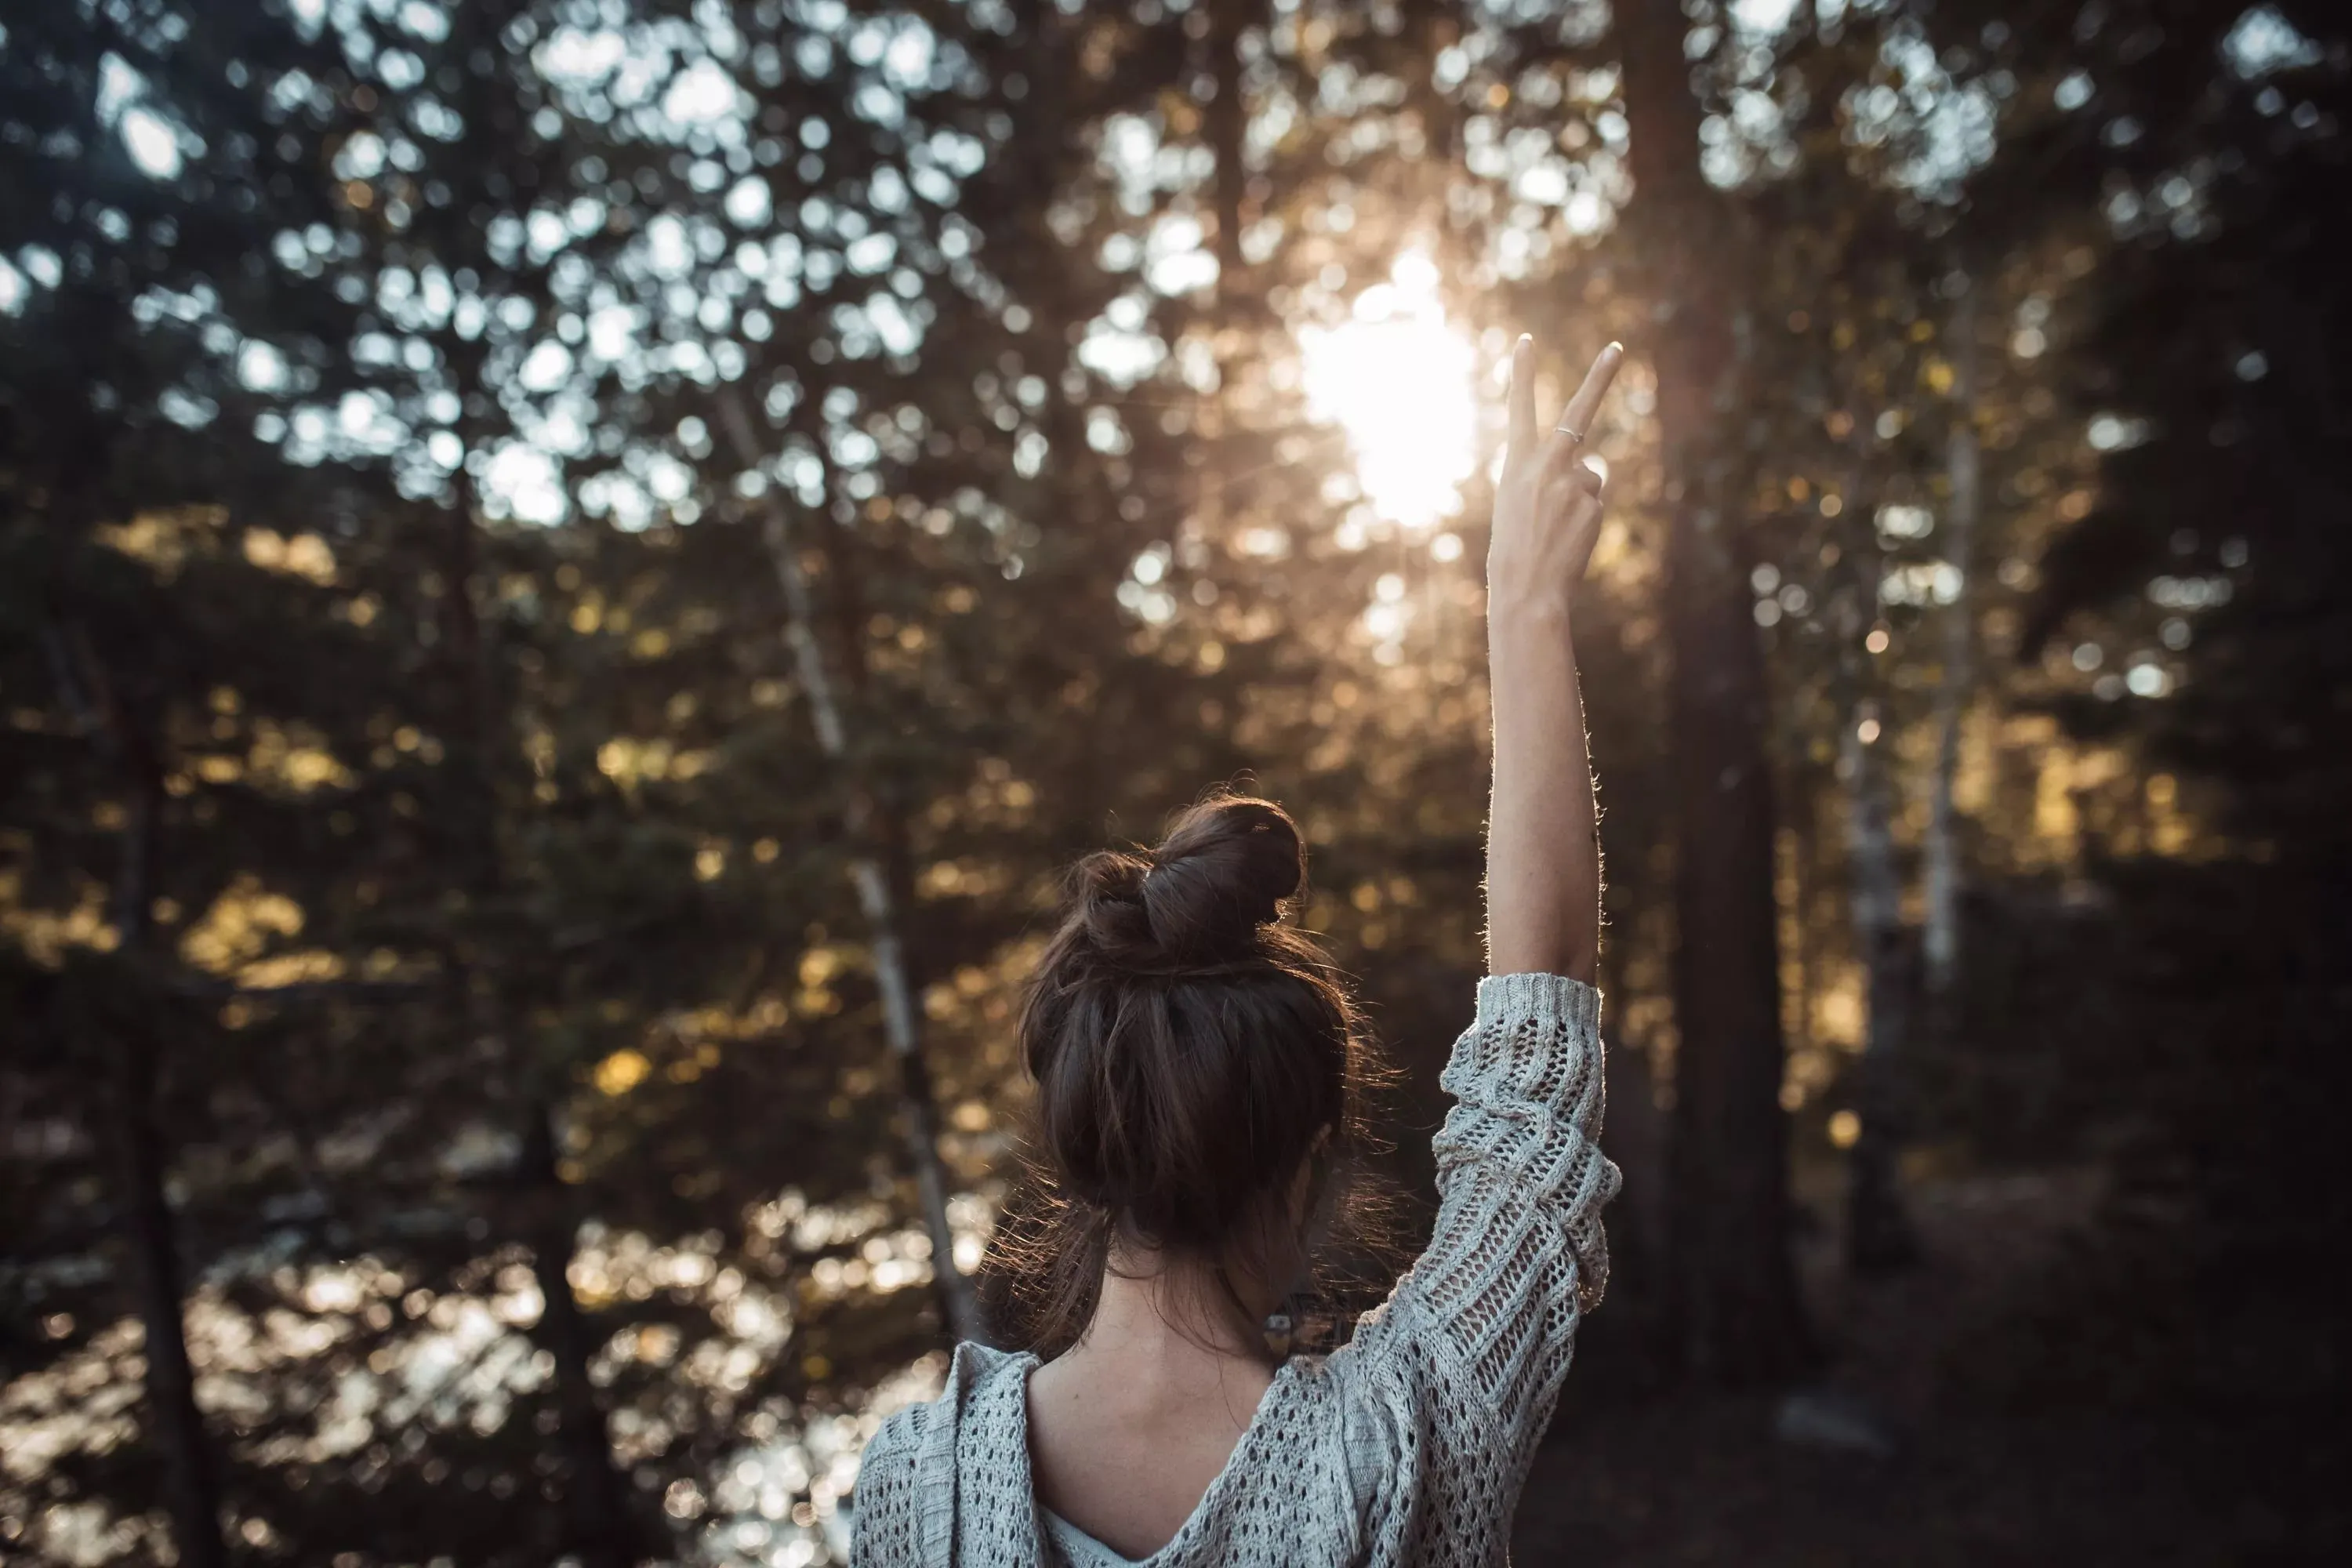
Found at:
<point>1205,895</point>
<point>1188,1043</point>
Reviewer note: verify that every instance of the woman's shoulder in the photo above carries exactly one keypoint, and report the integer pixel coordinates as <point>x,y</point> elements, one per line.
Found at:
<point>914,1454</point>
<point>1372,1363</point>
<point>978,1379</point>
<point>1364,1393</point>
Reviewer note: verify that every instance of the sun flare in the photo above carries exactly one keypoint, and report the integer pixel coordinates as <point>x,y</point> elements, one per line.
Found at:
<point>1398,381</point>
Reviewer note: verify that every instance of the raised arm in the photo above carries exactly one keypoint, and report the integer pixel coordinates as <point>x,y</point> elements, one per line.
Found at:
<point>1476,1339</point>
<point>1543,852</point>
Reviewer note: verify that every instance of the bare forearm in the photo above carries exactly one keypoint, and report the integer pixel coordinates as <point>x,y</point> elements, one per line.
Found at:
<point>1543,857</point>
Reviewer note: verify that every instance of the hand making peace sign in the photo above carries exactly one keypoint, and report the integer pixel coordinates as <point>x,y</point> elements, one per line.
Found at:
<point>1548,507</point>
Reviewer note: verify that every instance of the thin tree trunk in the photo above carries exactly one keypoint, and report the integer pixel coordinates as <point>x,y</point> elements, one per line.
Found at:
<point>1219,496</point>
<point>599,1521</point>
<point>1740,1316</point>
<point>1963,462</point>
<point>1878,1229</point>
<point>1226,119</point>
<point>1878,1226</point>
<point>902,1022</point>
<point>840,564</point>
<point>191,1477</point>
<point>598,1524</point>
<point>191,1481</point>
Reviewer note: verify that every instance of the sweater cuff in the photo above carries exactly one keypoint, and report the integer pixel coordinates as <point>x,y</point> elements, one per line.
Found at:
<point>1548,1000</point>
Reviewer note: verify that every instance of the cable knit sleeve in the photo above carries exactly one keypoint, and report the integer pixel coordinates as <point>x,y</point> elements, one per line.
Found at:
<point>1486,1320</point>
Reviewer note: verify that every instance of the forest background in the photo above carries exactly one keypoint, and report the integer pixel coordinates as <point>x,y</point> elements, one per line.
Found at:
<point>569,569</point>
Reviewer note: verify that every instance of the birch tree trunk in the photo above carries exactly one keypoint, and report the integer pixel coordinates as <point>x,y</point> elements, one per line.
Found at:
<point>1963,464</point>
<point>902,1022</point>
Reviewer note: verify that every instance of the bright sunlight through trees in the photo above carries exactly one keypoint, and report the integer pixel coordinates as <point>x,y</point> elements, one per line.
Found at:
<point>1397,378</point>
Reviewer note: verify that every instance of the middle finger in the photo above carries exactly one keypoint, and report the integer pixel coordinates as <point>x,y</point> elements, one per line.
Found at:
<point>1576,418</point>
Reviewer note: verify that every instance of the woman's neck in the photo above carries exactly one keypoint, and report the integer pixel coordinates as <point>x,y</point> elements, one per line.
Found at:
<point>1130,1428</point>
<point>1173,1312</point>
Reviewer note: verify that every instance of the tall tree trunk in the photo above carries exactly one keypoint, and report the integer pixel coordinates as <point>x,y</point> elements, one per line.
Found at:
<point>598,1524</point>
<point>901,1018</point>
<point>191,1478</point>
<point>1740,1316</point>
<point>1963,465</point>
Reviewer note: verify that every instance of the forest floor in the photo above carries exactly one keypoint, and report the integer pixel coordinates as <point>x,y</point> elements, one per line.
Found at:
<point>1686,1477</point>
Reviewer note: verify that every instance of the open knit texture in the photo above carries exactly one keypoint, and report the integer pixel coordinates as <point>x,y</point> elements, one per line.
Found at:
<point>1406,1446</point>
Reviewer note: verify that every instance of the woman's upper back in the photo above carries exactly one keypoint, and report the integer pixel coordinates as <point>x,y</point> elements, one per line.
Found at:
<point>1407,1446</point>
<point>1128,1429</point>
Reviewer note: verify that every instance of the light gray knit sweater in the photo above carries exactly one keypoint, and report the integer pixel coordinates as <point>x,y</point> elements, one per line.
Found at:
<point>1407,1446</point>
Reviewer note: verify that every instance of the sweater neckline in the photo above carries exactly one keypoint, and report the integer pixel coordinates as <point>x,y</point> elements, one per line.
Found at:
<point>1077,1549</point>
<point>1210,1498</point>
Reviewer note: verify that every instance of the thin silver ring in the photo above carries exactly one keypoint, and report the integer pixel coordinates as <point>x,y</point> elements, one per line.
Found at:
<point>1576,437</point>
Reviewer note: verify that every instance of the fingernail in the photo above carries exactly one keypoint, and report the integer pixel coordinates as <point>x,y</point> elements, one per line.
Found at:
<point>1614,347</point>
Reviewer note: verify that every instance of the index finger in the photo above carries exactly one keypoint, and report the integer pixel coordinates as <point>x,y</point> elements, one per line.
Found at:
<point>1577,415</point>
<point>1522,436</point>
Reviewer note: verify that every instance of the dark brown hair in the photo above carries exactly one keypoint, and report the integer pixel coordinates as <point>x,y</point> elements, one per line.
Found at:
<point>1189,1045</point>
